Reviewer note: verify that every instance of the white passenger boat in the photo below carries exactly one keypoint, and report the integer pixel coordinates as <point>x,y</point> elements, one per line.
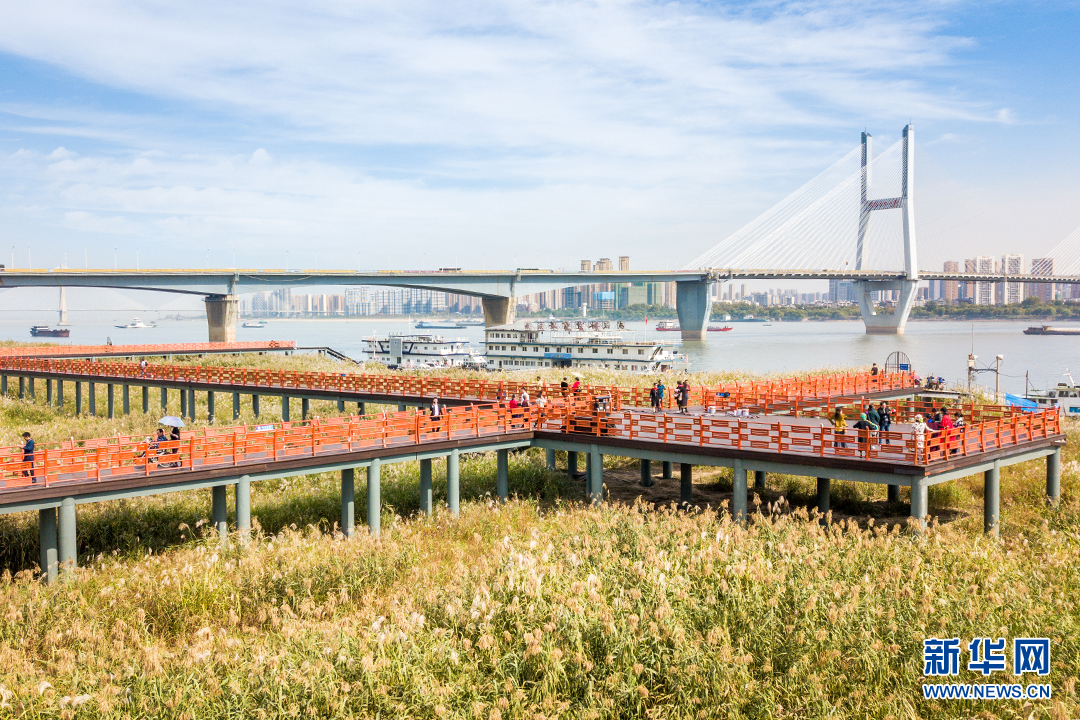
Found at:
<point>420,350</point>
<point>577,343</point>
<point>136,324</point>
<point>1066,396</point>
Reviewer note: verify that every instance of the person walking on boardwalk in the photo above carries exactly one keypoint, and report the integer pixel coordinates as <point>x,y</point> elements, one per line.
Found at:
<point>660,395</point>
<point>874,369</point>
<point>565,387</point>
<point>918,428</point>
<point>436,409</point>
<point>28,456</point>
<point>886,420</point>
<point>653,402</point>
<point>683,396</point>
<point>839,428</point>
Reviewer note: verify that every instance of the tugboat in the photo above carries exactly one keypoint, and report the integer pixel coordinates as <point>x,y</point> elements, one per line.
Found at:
<point>46,331</point>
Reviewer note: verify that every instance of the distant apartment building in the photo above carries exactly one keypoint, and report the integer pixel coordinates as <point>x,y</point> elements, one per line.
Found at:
<point>949,290</point>
<point>985,292</point>
<point>1043,291</point>
<point>841,291</point>
<point>1010,293</point>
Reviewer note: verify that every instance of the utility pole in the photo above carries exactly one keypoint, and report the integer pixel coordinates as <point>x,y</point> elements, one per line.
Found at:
<point>997,377</point>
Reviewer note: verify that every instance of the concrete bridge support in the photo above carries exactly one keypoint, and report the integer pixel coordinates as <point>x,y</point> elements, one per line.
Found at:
<point>60,394</point>
<point>243,509</point>
<point>219,506</point>
<point>894,494</point>
<point>453,491</point>
<point>502,480</point>
<point>236,406</point>
<point>145,399</point>
<point>210,399</point>
<point>686,484</point>
<point>48,392</point>
<point>221,312</point>
<point>110,400</point>
<point>1053,478</point>
<point>348,502</point>
<point>876,321</point>
<point>824,488</point>
<point>759,481</point>
<point>425,486</point>
<point>667,470</point>
<point>255,406</point>
<point>919,505</point>
<point>738,498</point>
<point>571,463</point>
<point>47,535</point>
<point>991,500</point>
<point>69,549</point>
<point>499,310</point>
<point>164,400</point>
<point>595,480</point>
<point>126,399</point>
<point>549,457</point>
<point>646,473</point>
<point>78,398</point>
<point>374,498</point>
<point>693,305</point>
<point>91,396</point>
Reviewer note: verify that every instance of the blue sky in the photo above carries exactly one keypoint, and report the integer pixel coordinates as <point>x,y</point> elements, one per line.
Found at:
<point>416,134</point>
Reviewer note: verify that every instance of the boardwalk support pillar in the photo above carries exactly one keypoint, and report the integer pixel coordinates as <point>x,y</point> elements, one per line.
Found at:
<point>918,502</point>
<point>498,310</point>
<point>219,506</point>
<point>221,317</point>
<point>164,400</point>
<point>91,392</point>
<point>305,408</point>
<point>78,398</point>
<point>571,464</point>
<point>60,394</point>
<point>255,405</point>
<point>824,486</point>
<point>183,404</point>
<point>646,473</point>
<point>191,402</point>
<point>668,470</point>
<point>425,486</point>
<point>340,406</point>
<point>210,398</point>
<point>126,399</point>
<point>348,502</point>
<point>453,494</point>
<point>759,481</point>
<point>47,536</point>
<point>236,406</point>
<point>69,553</point>
<point>693,306</point>
<point>146,399</point>
<point>1053,477</point>
<point>284,408</point>
<point>374,499</point>
<point>48,392</point>
<point>22,388</point>
<point>894,494</point>
<point>738,498</point>
<point>502,482</point>
<point>3,384</point>
<point>549,457</point>
<point>686,484</point>
<point>243,509</point>
<point>991,502</point>
<point>596,475</point>
<point>110,400</point>
<point>30,389</point>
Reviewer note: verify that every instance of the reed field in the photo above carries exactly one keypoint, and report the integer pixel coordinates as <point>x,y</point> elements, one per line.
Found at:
<point>538,608</point>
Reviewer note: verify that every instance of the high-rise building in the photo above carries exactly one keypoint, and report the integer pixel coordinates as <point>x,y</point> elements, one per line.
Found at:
<point>624,263</point>
<point>950,289</point>
<point>586,266</point>
<point>841,291</point>
<point>985,291</point>
<point>1011,292</point>
<point>1044,291</point>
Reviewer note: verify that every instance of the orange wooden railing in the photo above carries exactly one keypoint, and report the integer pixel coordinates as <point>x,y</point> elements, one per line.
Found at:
<point>124,457</point>
<point>154,349</point>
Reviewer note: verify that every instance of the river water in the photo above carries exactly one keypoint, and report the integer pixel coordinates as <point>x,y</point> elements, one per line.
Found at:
<point>938,348</point>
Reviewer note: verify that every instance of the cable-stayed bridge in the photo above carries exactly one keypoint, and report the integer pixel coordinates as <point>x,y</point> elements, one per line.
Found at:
<point>857,221</point>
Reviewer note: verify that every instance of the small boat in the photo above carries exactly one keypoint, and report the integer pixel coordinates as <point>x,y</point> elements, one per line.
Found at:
<point>438,325</point>
<point>46,331</point>
<point>717,328</point>
<point>667,325</point>
<point>135,324</point>
<point>768,324</point>
<point>254,324</point>
<point>1050,330</point>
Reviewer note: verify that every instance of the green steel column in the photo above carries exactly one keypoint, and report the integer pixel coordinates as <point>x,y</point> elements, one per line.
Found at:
<point>991,499</point>
<point>78,398</point>
<point>305,408</point>
<point>340,405</point>
<point>918,501</point>
<point>1053,477</point>
<point>48,392</point>
<point>183,404</point>
<point>894,494</point>
<point>374,501</point>
<point>824,486</point>
<point>502,481</point>
<point>145,399</point>
<point>220,511</point>
<point>348,502</point>
<point>686,484</point>
<point>126,392</point>
<point>759,481</point>
<point>668,470</point>
<point>3,384</point>
<point>69,553</point>
<point>549,457</point>
<point>646,473</point>
<point>236,406</point>
<point>91,396</point>
<point>255,405</point>
<point>284,408</point>
<point>588,473</point>
<point>191,402</point>
<point>47,537</point>
<point>22,387</point>
<point>360,409</point>
<point>738,497</point>
<point>110,400</point>
<point>571,463</point>
<point>243,509</point>
<point>402,407</point>
<point>60,394</point>
<point>452,490</point>
<point>30,388</point>
<point>164,400</point>
<point>596,476</point>
<point>425,486</point>
<point>210,397</point>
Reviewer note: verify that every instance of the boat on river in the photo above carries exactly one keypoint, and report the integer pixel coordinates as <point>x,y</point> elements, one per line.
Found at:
<point>1051,330</point>
<point>46,331</point>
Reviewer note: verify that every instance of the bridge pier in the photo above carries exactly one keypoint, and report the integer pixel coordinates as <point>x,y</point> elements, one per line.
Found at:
<point>348,502</point>
<point>667,470</point>
<point>499,310</point>
<point>453,493</point>
<point>360,408</point>
<point>191,402</point>
<point>183,404</point>
<point>221,317</point>
<point>341,406</point>
<point>425,486</point>
<point>3,384</point>
<point>48,392</point>
<point>164,400</point>
<point>596,476</point>
<point>305,408</point>
<point>91,393</point>
<point>549,458</point>
<point>878,323</point>
<point>918,502</point>
<point>502,479</point>
<point>693,305</point>
<point>22,388</point>
<point>374,500</point>
<point>47,538</point>
<point>78,398</point>
<point>894,494</point>
<point>30,388</point>
<point>284,408</point>
<point>571,464</point>
<point>60,394</point>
